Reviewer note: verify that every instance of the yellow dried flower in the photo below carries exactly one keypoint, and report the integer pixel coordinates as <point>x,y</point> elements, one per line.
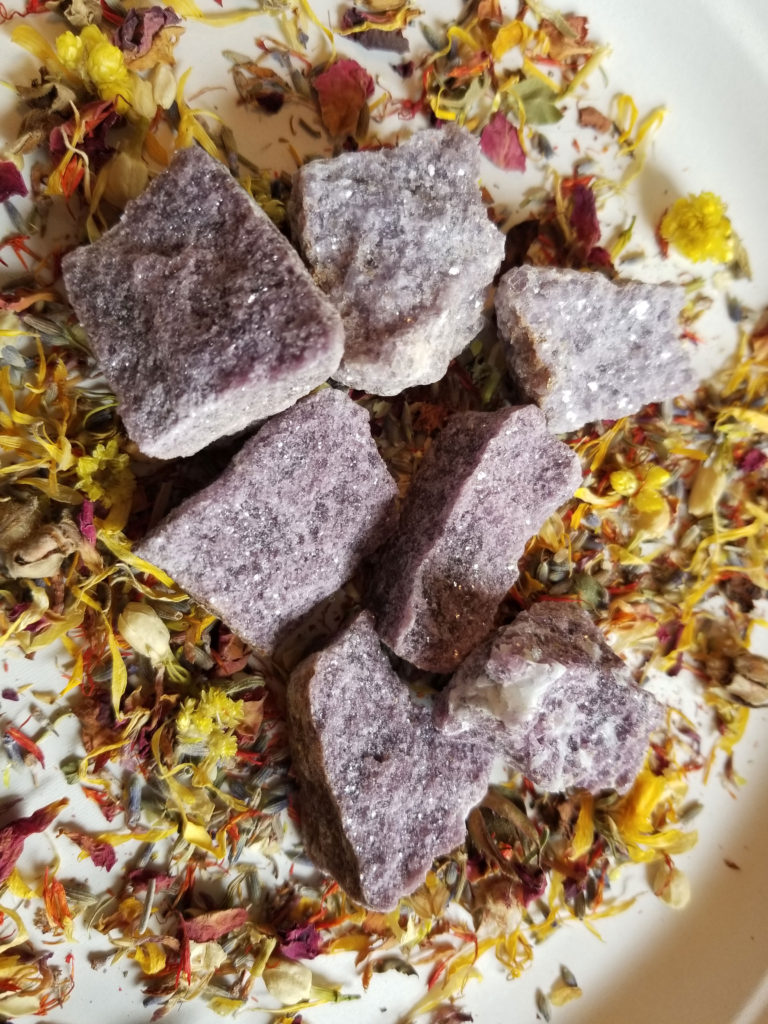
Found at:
<point>104,472</point>
<point>105,64</point>
<point>698,227</point>
<point>624,482</point>
<point>69,49</point>
<point>206,717</point>
<point>92,36</point>
<point>643,492</point>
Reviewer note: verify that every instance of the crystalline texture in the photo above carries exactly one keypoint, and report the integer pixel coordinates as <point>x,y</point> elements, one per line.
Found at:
<point>381,791</point>
<point>549,693</point>
<point>201,315</point>
<point>285,524</point>
<point>483,489</point>
<point>401,242</point>
<point>585,348</point>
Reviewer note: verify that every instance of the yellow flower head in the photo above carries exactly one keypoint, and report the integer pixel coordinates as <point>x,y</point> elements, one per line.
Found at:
<point>624,482</point>
<point>106,64</point>
<point>69,50</point>
<point>104,473</point>
<point>207,717</point>
<point>698,227</point>
<point>643,491</point>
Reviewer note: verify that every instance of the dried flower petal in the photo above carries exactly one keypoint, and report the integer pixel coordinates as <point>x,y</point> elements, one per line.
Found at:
<point>501,143</point>
<point>342,91</point>
<point>11,181</point>
<point>12,836</point>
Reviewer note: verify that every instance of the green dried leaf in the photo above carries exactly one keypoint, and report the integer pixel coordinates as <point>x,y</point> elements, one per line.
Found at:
<point>537,102</point>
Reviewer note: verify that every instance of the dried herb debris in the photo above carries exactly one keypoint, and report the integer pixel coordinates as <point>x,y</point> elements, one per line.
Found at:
<point>184,755</point>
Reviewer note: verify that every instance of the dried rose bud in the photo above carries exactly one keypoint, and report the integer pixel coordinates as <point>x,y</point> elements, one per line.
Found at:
<point>289,981</point>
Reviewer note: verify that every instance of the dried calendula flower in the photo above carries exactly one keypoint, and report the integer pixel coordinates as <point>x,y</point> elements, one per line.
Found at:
<point>643,491</point>
<point>671,885</point>
<point>145,631</point>
<point>697,226</point>
<point>289,981</point>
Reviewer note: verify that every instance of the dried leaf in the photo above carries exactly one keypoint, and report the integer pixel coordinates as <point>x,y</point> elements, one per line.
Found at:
<point>393,963</point>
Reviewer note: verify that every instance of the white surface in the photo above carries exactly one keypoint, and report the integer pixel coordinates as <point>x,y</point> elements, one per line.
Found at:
<point>706,965</point>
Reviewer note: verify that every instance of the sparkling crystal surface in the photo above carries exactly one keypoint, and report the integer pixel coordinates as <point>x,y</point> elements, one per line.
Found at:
<point>401,242</point>
<point>585,348</point>
<point>201,314</point>
<point>285,524</point>
<point>381,791</point>
<point>550,694</point>
<point>482,490</point>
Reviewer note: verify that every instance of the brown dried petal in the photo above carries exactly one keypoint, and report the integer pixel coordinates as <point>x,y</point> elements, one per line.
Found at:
<point>41,554</point>
<point>753,667</point>
<point>591,117</point>
<point>752,693</point>
<point>161,51</point>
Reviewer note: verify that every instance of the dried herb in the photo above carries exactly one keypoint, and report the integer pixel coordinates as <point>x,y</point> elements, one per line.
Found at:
<point>181,723</point>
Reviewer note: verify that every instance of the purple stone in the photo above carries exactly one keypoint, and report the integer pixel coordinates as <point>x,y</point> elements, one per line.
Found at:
<point>550,694</point>
<point>482,491</point>
<point>401,242</point>
<point>286,524</point>
<point>201,315</point>
<point>584,348</point>
<point>381,791</point>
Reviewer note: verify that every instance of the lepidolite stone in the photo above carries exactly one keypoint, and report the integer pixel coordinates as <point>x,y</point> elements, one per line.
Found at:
<point>585,348</point>
<point>381,791</point>
<point>200,313</point>
<point>286,523</point>
<point>483,489</point>
<point>550,694</point>
<point>401,242</point>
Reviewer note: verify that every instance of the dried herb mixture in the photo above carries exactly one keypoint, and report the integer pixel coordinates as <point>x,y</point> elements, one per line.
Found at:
<point>181,729</point>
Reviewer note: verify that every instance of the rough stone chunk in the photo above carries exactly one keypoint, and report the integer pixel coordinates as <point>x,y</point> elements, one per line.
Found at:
<point>401,242</point>
<point>483,489</point>
<point>549,693</point>
<point>381,791</point>
<point>201,314</point>
<point>285,524</point>
<point>585,348</point>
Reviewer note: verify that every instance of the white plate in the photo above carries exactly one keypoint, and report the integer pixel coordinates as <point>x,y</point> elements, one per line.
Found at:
<point>706,965</point>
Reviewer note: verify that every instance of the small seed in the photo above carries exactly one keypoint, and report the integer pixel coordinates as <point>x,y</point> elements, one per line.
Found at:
<point>568,977</point>
<point>542,1005</point>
